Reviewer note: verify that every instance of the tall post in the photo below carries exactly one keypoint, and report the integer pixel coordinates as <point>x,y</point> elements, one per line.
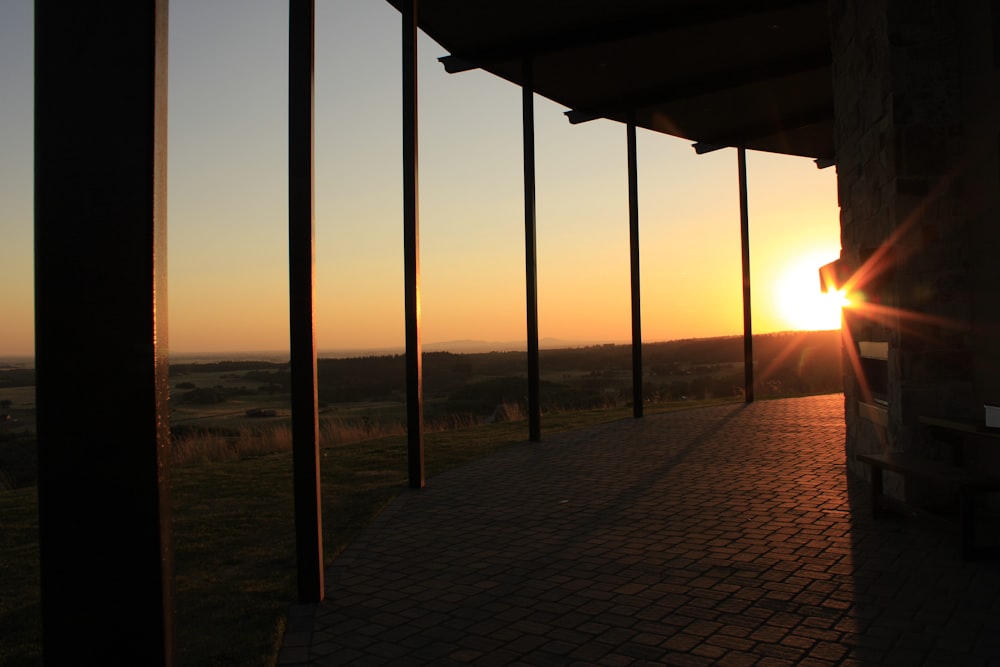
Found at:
<point>748,382</point>
<point>101,331</point>
<point>530,262</point>
<point>301,280</point>
<point>633,225</point>
<point>411,252</point>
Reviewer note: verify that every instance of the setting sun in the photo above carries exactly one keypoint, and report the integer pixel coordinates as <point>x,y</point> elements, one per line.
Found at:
<point>802,304</point>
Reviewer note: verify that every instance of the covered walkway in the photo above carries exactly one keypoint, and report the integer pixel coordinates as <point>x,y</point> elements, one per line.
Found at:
<point>726,535</point>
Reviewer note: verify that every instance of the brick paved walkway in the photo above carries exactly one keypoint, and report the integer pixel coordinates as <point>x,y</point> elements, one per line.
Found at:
<point>728,535</point>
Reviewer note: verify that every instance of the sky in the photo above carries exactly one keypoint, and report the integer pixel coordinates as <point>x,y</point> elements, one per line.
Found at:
<point>227,201</point>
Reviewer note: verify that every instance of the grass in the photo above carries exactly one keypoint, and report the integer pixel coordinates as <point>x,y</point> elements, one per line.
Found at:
<point>233,537</point>
<point>208,445</point>
<point>20,612</point>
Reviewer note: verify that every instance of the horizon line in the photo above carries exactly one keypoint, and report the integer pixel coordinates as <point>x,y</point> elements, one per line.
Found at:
<point>459,346</point>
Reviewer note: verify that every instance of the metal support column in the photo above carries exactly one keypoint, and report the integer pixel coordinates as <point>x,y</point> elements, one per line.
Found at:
<point>530,262</point>
<point>301,280</point>
<point>633,225</point>
<point>101,332</point>
<point>411,251</point>
<point>748,382</point>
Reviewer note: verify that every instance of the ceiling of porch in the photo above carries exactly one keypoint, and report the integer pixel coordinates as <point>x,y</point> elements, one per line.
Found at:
<point>725,73</point>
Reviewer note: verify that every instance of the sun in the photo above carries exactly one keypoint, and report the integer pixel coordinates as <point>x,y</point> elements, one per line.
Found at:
<point>801,303</point>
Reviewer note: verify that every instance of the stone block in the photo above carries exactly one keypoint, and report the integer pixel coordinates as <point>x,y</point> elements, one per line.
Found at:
<point>912,187</point>
<point>924,151</point>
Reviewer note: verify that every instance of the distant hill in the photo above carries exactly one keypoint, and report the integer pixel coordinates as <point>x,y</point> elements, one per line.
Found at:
<point>792,363</point>
<point>17,377</point>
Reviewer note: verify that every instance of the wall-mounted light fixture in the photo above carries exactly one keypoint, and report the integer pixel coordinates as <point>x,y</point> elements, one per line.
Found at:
<point>833,277</point>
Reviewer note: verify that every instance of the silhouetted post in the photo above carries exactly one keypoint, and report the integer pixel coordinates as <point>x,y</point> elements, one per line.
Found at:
<point>411,252</point>
<point>633,226</point>
<point>301,279</point>
<point>101,332</point>
<point>530,262</point>
<point>741,154</point>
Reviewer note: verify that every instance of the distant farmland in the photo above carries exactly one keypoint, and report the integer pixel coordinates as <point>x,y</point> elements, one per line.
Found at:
<point>365,396</point>
<point>787,364</point>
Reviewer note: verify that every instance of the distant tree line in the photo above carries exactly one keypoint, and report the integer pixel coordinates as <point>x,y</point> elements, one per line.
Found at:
<point>223,367</point>
<point>17,377</point>
<point>789,364</point>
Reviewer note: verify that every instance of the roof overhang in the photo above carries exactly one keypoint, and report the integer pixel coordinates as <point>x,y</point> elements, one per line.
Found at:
<point>731,73</point>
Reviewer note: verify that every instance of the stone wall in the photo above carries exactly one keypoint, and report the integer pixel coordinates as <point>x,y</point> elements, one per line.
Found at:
<point>863,127</point>
<point>916,137</point>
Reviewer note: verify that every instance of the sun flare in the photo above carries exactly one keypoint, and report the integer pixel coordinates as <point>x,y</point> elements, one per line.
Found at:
<point>803,305</point>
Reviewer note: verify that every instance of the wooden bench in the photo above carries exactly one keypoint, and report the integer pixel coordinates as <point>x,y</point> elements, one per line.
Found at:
<point>968,483</point>
<point>956,432</point>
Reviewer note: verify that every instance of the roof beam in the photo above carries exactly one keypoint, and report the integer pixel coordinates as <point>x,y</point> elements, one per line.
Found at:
<point>454,64</point>
<point>576,116</point>
<point>691,17</point>
<point>701,148</point>
<point>705,85</point>
<point>745,135</point>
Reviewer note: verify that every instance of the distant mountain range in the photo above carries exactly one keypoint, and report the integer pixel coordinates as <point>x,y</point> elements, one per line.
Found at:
<point>465,346</point>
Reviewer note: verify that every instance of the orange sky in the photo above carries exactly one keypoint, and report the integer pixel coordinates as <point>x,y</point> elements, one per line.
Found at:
<point>227,200</point>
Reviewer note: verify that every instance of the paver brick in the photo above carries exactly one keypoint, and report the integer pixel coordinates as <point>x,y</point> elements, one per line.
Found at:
<point>774,662</point>
<point>686,660</point>
<point>709,651</point>
<point>735,643</point>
